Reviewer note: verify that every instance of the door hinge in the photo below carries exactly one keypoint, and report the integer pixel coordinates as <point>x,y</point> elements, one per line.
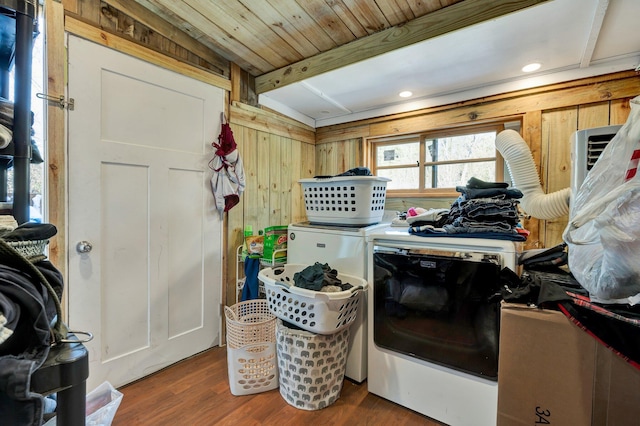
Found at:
<point>60,100</point>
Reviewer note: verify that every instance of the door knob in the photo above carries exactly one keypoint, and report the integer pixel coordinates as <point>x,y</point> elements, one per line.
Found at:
<point>83,247</point>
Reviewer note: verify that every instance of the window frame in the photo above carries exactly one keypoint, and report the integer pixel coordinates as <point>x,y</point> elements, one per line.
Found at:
<point>424,136</point>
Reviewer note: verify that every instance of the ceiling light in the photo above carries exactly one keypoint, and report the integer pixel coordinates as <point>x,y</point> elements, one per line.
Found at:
<point>534,66</point>
<point>405,94</point>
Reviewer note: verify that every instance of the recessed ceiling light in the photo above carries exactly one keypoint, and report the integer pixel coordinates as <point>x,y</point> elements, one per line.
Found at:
<point>405,94</point>
<point>534,66</point>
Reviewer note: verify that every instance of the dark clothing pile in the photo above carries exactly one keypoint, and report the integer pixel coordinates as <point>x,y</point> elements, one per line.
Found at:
<point>544,283</point>
<point>319,277</point>
<point>483,210</point>
<point>356,171</point>
<point>30,289</point>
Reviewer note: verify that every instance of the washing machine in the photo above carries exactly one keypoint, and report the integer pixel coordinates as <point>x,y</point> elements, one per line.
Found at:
<point>344,248</point>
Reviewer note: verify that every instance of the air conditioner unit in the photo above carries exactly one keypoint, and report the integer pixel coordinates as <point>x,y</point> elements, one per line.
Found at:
<point>587,145</point>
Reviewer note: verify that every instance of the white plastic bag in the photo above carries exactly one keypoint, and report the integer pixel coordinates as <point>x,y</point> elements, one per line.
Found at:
<point>101,406</point>
<point>603,233</point>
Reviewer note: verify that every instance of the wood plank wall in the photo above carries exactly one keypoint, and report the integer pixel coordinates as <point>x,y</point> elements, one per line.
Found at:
<point>333,158</point>
<point>549,117</point>
<point>276,152</point>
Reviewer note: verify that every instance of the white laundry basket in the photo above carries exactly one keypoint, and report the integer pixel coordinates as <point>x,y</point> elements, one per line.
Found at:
<point>345,200</point>
<point>251,347</point>
<point>314,311</point>
<point>311,366</point>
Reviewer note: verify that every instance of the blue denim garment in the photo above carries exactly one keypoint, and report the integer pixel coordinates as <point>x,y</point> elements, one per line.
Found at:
<point>463,224</point>
<point>484,208</point>
<point>459,203</point>
<point>512,221</point>
<point>499,209</point>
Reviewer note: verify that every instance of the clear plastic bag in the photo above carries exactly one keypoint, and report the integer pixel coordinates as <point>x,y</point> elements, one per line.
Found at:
<point>603,233</point>
<point>101,406</point>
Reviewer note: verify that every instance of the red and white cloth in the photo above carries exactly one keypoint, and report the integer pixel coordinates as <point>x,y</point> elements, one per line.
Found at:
<point>228,181</point>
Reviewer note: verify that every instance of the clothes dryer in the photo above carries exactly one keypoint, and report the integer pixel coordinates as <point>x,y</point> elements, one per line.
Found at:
<point>433,321</point>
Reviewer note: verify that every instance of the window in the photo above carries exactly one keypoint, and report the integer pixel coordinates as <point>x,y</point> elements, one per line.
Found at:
<point>434,163</point>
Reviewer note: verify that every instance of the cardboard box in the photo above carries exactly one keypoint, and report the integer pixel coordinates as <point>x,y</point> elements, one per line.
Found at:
<point>552,372</point>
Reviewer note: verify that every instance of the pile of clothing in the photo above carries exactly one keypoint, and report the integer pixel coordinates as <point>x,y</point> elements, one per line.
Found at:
<point>30,292</point>
<point>547,283</point>
<point>6,132</point>
<point>320,277</point>
<point>483,210</point>
<point>430,218</point>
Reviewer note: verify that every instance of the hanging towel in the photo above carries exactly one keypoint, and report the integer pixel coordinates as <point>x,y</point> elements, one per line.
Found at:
<point>250,290</point>
<point>228,181</point>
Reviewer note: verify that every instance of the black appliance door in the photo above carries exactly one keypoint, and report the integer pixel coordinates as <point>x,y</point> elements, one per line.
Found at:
<point>442,308</point>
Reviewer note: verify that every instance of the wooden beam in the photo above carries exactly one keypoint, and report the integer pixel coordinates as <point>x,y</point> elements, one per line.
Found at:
<point>146,17</point>
<point>442,21</point>
<point>56,147</point>
<point>89,32</point>
<point>235,75</point>
<point>594,33</point>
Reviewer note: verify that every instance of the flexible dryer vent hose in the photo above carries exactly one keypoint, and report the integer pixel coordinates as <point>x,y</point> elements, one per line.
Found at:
<point>525,177</point>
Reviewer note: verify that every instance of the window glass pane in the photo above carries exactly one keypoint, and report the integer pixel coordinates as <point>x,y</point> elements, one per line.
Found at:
<point>399,154</point>
<point>428,178</point>
<point>479,145</point>
<point>37,171</point>
<point>401,178</point>
<point>452,175</point>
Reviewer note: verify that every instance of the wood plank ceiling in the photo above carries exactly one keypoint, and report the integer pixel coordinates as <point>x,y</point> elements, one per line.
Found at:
<point>283,41</point>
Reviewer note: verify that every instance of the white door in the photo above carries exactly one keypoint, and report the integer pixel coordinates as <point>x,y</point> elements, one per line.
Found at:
<point>139,193</point>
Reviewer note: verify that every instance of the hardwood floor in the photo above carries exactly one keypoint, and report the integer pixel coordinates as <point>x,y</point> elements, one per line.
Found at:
<point>196,392</point>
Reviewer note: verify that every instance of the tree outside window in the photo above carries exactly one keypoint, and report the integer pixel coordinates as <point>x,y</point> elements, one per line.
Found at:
<point>437,162</point>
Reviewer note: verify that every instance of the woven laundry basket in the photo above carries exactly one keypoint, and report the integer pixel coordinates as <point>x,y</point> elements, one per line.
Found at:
<point>251,347</point>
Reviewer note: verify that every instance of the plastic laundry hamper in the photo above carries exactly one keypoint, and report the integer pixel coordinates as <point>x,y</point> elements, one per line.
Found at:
<point>345,200</point>
<point>311,366</point>
<point>251,347</point>
<point>314,311</point>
